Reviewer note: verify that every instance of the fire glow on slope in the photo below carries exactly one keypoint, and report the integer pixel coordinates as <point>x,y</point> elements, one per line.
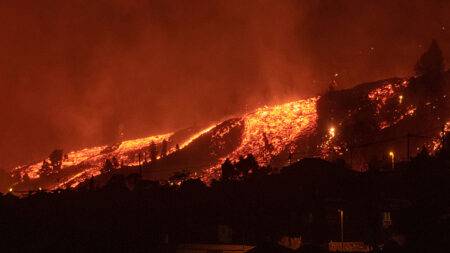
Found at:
<point>270,130</point>
<point>94,158</point>
<point>266,133</point>
<point>125,153</point>
<point>196,136</point>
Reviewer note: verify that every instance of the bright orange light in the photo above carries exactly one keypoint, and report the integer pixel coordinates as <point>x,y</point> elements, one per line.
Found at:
<point>392,156</point>
<point>10,189</point>
<point>331,132</point>
<point>196,136</point>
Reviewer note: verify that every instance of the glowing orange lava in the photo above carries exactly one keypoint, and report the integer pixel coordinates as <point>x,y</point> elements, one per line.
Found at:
<point>270,130</point>
<point>93,159</point>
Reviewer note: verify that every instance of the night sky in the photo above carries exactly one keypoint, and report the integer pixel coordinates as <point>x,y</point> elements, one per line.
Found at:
<point>75,74</point>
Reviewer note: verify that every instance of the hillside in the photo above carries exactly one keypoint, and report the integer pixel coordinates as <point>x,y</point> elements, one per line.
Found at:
<point>334,125</point>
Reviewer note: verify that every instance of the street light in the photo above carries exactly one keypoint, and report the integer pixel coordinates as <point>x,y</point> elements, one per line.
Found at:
<point>391,154</point>
<point>341,212</point>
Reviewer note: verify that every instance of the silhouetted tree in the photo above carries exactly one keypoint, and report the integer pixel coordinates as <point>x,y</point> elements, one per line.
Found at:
<point>429,69</point>
<point>243,166</point>
<point>177,147</point>
<point>228,171</point>
<point>193,185</point>
<point>107,167</point>
<point>423,154</point>
<point>431,63</point>
<point>54,166</point>
<point>180,176</point>
<point>56,158</point>
<point>153,151</point>
<point>251,160</point>
<point>164,148</point>
<point>46,169</point>
<point>115,162</point>
<point>240,165</point>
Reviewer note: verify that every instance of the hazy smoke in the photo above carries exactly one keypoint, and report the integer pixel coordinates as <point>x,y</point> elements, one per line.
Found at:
<point>76,73</point>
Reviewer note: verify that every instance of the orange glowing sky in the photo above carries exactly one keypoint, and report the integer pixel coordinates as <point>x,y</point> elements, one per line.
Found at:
<point>76,74</point>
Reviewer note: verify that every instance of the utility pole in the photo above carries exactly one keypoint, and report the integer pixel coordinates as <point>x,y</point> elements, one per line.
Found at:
<point>391,154</point>
<point>341,212</point>
<point>290,159</point>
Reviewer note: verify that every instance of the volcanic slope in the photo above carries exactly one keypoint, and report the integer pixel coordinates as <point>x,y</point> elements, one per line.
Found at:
<point>328,127</point>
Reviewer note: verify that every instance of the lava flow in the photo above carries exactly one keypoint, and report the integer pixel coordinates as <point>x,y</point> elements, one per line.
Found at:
<point>270,130</point>
<point>91,160</point>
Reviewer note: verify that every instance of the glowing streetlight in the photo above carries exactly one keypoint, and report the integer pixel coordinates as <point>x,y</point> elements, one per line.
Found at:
<point>10,189</point>
<point>391,154</point>
<point>40,188</point>
<point>341,212</point>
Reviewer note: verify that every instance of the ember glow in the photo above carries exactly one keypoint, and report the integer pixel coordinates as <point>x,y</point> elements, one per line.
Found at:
<point>380,97</point>
<point>382,94</point>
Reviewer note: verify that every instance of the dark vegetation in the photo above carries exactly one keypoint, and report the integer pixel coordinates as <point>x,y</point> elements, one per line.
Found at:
<point>129,213</point>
